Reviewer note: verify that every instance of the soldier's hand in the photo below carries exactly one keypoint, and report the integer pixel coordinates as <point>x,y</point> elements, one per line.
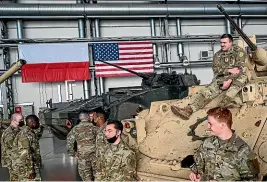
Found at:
<point>226,84</point>
<point>234,70</point>
<point>194,177</point>
<point>32,176</point>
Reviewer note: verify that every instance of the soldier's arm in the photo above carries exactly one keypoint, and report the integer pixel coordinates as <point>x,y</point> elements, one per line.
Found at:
<point>36,154</point>
<point>200,160</point>
<point>129,167</point>
<point>100,165</point>
<point>25,155</point>
<point>7,142</point>
<point>247,164</point>
<point>71,142</point>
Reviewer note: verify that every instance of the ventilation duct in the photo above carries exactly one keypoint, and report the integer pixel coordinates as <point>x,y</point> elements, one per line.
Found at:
<point>10,10</point>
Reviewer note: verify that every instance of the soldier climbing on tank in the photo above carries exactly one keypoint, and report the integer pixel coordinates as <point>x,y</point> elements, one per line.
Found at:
<point>229,69</point>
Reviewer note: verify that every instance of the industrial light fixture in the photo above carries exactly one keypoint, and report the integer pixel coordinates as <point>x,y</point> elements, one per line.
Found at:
<point>185,61</point>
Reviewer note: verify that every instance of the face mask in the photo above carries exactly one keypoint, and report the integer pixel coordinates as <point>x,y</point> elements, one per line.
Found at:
<point>112,140</point>
<point>21,123</point>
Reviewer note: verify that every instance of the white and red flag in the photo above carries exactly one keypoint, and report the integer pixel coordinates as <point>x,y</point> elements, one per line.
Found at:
<point>54,62</point>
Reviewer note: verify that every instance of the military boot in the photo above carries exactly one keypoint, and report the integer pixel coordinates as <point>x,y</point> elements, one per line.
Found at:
<point>183,113</point>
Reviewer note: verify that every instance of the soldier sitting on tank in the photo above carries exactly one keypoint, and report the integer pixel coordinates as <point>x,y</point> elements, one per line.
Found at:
<point>224,155</point>
<point>228,67</point>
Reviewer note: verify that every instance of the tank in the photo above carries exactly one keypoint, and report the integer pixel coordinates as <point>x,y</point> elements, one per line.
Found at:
<point>119,104</point>
<point>162,140</point>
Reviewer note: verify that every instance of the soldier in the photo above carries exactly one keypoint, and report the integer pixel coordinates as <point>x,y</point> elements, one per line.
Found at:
<point>7,139</point>
<point>224,156</point>
<point>26,155</point>
<point>101,141</point>
<point>118,162</point>
<point>84,135</point>
<point>228,67</point>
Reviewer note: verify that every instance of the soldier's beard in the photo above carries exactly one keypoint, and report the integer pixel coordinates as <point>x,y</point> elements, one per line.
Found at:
<point>112,139</point>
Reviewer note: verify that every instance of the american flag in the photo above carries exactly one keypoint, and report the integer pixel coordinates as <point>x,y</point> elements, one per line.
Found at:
<point>136,56</point>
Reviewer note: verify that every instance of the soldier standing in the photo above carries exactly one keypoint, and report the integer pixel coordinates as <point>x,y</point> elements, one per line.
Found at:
<point>84,135</point>
<point>26,155</point>
<point>118,162</point>
<point>229,69</point>
<point>224,156</point>
<point>101,141</point>
<point>7,139</point>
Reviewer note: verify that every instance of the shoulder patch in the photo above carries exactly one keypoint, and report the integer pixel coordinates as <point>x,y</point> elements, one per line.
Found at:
<point>25,143</point>
<point>241,54</point>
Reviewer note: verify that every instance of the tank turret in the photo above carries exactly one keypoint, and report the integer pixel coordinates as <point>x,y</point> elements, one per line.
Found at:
<point>259,55</point>
<point>14,68</point>
<point>155,80</point>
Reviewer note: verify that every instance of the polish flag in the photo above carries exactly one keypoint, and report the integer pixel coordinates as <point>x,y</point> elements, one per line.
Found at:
<point>54,62</point>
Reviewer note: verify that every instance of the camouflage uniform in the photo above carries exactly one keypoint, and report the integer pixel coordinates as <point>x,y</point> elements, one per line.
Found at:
<point>222,61</point>
<point>101,145</point>
<point>7,139</point>
<point>226,160</point>
<point>85,135</point>
<point>119,164</point>
<point>26,155</point>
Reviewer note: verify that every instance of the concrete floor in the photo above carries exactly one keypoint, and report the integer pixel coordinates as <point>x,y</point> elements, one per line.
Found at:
<point>56,164</point>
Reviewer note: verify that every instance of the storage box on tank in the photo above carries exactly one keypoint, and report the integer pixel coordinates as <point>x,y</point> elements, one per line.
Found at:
<point>24,108</point>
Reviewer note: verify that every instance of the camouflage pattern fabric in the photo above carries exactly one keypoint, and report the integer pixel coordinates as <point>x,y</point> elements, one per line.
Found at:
<point>7,139</point>
<point>101,144</point>
<point>39,132</point>
<point>230,160</point>
<point>81,144</point>
<point>119,164</point>
<point>223,61</point>
<point>26,155</point>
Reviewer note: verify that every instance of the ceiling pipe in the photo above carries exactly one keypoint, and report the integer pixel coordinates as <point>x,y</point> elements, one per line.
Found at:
<point>132,10</point>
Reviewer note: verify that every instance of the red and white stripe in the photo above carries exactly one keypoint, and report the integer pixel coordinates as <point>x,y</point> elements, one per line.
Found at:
<point>135,56</point>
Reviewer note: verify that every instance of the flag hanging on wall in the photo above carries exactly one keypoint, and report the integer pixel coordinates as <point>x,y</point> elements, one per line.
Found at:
<point>136,56</point>
<point>54,62</point>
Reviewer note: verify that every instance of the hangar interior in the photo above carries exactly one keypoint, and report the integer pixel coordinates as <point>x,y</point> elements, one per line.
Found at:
<point>179,30</point>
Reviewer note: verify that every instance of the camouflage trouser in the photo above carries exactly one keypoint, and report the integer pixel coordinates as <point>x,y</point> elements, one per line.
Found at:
<point>87,168</point>
<point>12,174</point>
<point>211,91</point>
<point>23,174</point>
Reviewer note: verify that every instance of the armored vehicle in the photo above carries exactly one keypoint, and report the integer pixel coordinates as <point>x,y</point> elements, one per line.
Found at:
<point>163,140</point>
<point>119,105</point>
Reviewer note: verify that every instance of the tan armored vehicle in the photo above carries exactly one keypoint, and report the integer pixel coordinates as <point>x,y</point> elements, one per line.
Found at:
<point>164,139</point>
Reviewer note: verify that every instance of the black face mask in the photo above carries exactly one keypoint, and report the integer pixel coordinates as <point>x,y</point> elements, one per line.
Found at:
<point>113,139</point>
<point>21,123</point>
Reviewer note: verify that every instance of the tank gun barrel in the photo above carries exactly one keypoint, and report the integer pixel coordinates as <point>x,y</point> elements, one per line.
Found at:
<point>14,68</point>
<point>252,46</point>
<point>144,76</point>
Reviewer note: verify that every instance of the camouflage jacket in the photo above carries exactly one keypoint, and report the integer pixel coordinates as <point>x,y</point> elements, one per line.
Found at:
<point>225,160</point>
<point>81,140</point>
<point>222,61</point>
<point>26,157</point>
<point>7,139</point>
<point>101,141</point>
<point>119,164</point>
